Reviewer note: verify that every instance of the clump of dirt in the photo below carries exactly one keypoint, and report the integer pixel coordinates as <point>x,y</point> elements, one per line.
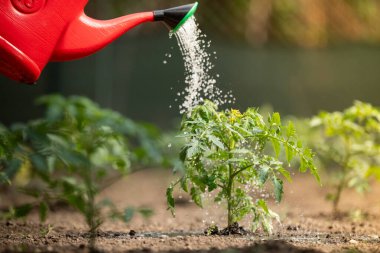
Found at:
<point>233,229</point>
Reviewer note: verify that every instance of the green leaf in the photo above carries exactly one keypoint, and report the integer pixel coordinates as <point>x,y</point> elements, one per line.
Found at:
<point>263,174</point>
<point>183,154</point>
<point>193,149</point>
<point>278,188</point>
<point>285,173</point>
<point>43,209</point>
<point>184,185</point>
<point>39,163</point>
<point>216,141</point>
<point>13,168</point>
<point>196,196</point>
<point>4,179</point>
<point>22,211</point>
<point>263,205</point>
<point>289,152</point>
<point>277,147</point>
<point>129,212</point>
<point>170,199</point>
<point>290,130</point>
<point>276,118</point>
<point>77,202</point>
<point>145,212</point>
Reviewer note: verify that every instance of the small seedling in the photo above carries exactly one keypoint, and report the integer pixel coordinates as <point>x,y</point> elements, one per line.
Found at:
<point>226,153</point>
<point>70,154</point>
<point>349,145</point>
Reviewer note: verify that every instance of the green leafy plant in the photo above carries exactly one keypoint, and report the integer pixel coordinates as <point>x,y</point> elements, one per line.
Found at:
<point>348,144</point>
<point>71,153</point>
<point>226,152</point>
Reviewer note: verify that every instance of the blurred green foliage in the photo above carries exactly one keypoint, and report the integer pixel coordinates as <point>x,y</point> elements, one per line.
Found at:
<point>348,143</point>
<point>70,154</point>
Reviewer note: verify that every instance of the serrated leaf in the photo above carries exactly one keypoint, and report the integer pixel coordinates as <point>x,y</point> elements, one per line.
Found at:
<point>278,188</point>
<point>290,130</point>
<point>285,173</point>
<point>193,149</point>
<point>264,174</point>
<point>196,196</point>
<point>276,118</point>
<point>263,205</point>
<point>289,153</point>
<point>216,141</point>
<point>170,199</point>
<point>184,184</point>
<point>277,147</point>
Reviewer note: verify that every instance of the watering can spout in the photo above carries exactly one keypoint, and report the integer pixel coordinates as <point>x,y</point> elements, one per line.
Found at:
<point>66,33</point>
<point>177,16</point>
<point>85,36</point>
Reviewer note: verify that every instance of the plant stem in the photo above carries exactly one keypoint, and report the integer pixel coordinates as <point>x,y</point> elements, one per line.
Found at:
<point>342,181</point>
<point>91,212</point>
<point>339,193</point>
<point>229,195</point>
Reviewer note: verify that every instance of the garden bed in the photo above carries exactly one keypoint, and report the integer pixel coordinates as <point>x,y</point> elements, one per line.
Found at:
<point>307,223</point>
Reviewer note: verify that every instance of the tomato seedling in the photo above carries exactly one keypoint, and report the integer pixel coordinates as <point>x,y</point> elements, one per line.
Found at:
<point>71,153</point>
<point>226,152</point>
<point>348,143</point>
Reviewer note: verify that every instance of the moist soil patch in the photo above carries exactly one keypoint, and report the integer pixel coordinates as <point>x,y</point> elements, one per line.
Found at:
<point>307,224</point>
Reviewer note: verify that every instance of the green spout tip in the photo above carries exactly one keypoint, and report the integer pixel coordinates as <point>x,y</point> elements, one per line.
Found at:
<point>188,15</point>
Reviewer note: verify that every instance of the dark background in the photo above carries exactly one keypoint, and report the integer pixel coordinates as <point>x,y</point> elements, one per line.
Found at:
<point>298,58</point>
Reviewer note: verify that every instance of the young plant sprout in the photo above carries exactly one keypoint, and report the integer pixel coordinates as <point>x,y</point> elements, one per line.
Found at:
<point>71,154</point>
<point>227,150</point>
<point>349,143</point>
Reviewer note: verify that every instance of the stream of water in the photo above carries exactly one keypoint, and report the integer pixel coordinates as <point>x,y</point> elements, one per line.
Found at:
<point>200,83</point>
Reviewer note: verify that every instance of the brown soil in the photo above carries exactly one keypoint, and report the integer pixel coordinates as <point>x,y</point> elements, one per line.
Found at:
<point>307,223</point>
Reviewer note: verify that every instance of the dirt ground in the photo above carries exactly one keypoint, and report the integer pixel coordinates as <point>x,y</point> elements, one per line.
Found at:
<point>307,224</point>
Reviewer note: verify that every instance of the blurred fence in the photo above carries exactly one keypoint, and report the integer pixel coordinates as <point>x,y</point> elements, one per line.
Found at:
<point>306,23</point>
<point>248,36</point>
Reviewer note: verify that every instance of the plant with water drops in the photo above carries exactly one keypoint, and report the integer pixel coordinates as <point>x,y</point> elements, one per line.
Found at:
<point>226,153</point>
<point>348,144</point>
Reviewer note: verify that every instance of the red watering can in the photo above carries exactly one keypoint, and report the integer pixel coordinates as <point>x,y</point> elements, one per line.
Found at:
<point>34,32</point>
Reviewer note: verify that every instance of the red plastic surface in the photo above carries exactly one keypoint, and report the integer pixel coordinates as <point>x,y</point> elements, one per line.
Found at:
<point>33,32</point>
<point>85,35</point>
<point>16,65</point>
<point>28,6</point>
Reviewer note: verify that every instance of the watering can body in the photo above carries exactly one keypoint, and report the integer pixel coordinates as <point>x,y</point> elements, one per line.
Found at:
<point>34,32</point>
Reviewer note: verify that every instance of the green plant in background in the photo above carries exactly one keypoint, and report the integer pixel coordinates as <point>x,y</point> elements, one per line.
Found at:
<point>5,148</point>
<point>71,153</point>
<point>225,153</point>
<point>348,143</point>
